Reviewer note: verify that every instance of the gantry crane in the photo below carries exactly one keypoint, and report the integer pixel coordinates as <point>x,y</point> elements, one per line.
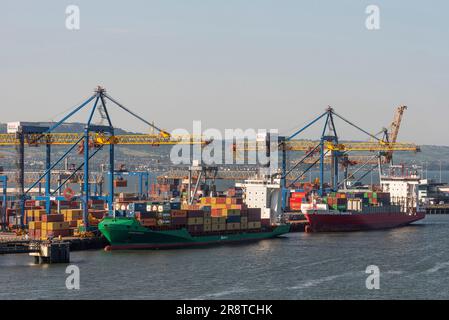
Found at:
<point>94,137</point>
<point>329,149</point>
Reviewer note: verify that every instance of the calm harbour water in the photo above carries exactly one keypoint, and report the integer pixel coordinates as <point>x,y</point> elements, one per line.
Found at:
<point>413,261</point>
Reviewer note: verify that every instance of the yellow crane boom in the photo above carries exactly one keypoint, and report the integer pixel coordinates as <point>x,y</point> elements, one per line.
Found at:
<point>307,145</point>
<point>10,139</point>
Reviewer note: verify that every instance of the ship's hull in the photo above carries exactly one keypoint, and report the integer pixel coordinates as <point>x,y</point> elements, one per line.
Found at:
<point>127,234</point>
<point>339,222</point>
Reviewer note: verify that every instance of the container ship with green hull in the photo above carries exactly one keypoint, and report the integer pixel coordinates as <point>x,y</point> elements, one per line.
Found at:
<point>124,233</point>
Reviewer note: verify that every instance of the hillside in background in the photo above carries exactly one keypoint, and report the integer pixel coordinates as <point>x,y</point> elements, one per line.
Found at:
<point>430,155</point>
<point>65,127</point>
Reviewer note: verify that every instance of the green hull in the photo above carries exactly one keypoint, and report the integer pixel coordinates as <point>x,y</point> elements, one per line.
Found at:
<point>128,233</point>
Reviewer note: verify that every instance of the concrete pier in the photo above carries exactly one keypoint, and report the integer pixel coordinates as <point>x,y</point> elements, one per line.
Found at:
<point>437,209</point>
<point>52,252</point>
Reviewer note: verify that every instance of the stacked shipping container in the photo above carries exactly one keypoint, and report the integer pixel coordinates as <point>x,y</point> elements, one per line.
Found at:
<point>67,223</point>
<point>212,214</point>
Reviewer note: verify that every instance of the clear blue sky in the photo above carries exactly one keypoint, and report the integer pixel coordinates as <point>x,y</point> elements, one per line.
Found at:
<point>231,63</point>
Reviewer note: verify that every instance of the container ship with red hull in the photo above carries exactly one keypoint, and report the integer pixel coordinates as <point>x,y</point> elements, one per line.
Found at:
<point>355,221</point>
<point>363,209</point>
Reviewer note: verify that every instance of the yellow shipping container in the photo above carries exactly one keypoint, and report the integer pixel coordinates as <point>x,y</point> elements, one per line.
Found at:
<point>233,226</point>
<point>29,213</point>
<point>38,213</point>
<point>43,234</point>
<point>53,226</point>
<point>218,220</point>
<point>72,214</point>
<point>254,225</point>
<point>34,225</point>
<point>218,227</point>
<point>228,200</point>
<point>195,221</point>
<point>79,223</point>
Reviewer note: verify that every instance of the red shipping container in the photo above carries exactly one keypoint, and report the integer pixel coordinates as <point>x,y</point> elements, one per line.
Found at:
<point>96,201</point>
<point>179,213</point>
<point>145,215</point>
<point>220,200</point>
<point>73,224</point>
<point>52,218</point>
<point>30,203</point>
<point>150,222</point>
<point>295,195</point>
<point>98,214</point>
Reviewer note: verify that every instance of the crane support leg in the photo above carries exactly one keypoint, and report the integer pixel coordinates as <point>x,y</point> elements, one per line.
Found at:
<point>86,178</point>
<point>48,177</point>
<point>111,178</point>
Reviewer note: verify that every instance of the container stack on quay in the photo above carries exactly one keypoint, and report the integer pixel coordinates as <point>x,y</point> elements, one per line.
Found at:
<point>166,189</point>
<point>11,217</point>
<point>47,226</point>
<point>68,222</point>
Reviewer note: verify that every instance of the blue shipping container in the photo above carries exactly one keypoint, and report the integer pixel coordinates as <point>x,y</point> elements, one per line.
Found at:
<point>233,219</point>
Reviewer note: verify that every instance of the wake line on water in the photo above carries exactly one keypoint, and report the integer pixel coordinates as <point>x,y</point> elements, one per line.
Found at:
<point>222,293</point>
<point>439,266</point>
<point>315,282</point>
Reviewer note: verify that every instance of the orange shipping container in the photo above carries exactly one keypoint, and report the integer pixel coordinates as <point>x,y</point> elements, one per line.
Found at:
<point>216,212</point>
